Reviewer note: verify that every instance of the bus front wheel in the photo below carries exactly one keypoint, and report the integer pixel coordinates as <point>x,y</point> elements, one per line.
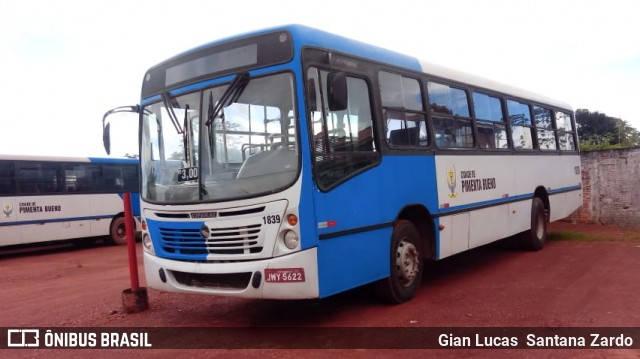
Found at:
<point>406,265</point>
<point>117,232</point>
<point>536,237</point>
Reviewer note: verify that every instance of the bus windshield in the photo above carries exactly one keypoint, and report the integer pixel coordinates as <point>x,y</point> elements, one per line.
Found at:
<point>220,143</point>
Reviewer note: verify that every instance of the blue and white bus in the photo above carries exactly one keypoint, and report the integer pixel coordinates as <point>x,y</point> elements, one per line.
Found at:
<point>292,163</point>
<point>48,199</point>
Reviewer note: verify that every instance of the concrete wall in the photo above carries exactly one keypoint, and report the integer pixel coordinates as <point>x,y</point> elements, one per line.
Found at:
<point>611,184</point>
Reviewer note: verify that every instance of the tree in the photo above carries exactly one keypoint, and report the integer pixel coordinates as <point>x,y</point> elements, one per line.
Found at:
<point>598,131</point>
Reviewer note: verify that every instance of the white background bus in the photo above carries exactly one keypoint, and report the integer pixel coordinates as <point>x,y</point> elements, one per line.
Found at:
<point>47,199</point>
<point>294,163</point>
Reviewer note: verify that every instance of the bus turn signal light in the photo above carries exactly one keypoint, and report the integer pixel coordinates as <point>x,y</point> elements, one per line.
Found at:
<point>292,219</point>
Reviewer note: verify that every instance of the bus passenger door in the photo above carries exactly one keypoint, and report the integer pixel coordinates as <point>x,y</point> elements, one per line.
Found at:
<point>353,247</point>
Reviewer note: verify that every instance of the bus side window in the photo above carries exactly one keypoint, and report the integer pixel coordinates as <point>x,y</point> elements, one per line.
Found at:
<point>565,131</point>
<point>453,133</point>
<point>406,129</point>
<point>7,184</point>
<point>342,140</point>
<point>451,116</point>
<point>446,100</point>
<point>113,180</point>
<point>39,179</point>
<point>81,178</point>
<point>521,126</point>
<point>404,115</point>
<point>492,130</point>
<point>544,128</point>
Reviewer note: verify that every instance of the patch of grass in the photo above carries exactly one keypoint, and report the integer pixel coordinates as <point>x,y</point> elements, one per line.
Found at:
<point>572,236</point>
<point>613,236</point>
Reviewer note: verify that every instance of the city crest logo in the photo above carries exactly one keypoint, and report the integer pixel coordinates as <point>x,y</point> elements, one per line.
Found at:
<point>452,181</point>
<point>7,210</point>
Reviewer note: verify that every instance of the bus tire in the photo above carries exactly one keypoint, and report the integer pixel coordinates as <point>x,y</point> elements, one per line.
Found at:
<point>406,265</point>
<point>117,231</point>
<point>535,238</point>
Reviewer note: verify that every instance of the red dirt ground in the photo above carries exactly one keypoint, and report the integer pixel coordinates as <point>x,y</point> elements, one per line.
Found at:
<point>589,281</point>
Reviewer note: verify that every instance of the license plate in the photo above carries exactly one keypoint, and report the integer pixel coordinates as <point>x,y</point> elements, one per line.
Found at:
<point>284,275</point>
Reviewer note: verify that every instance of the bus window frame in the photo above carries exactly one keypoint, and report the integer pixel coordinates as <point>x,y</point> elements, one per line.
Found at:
<point>554,127</point>
<point>60,168</point>
<point>432,115</point>
<point>310,62</point>
<point>532,127</point>
<point>504,122</point>
<point>389,148</point>
<point>573,132</point>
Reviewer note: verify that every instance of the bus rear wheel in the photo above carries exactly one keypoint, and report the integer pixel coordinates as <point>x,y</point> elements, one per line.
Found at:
<point>117,231</point>
<point>406,265</point>
<point>536,237</point>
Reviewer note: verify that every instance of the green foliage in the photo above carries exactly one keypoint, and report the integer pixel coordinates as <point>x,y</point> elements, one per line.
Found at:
<point>586,147</point>
<point>602,234</point>
<point>597,131</point>
<point>571,236</point>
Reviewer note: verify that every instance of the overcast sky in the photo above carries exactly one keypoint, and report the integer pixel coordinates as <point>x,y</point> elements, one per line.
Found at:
<point>64,63</point>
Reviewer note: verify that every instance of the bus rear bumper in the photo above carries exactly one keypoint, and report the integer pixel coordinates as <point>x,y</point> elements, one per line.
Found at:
<point>294,276</point>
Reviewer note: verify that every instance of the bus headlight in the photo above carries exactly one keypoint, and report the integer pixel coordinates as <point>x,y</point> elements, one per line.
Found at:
<point>147,244</point>
<point>291,239</point>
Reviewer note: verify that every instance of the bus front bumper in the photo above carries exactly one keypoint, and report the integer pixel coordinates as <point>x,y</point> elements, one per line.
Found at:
<point>294,276</point>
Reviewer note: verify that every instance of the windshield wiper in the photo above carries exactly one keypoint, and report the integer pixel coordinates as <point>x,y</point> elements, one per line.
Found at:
<point>203,191</point>
<point>230,96</point>
<point>185,136</point>
<point>169,104</point>
<point>210,119</point>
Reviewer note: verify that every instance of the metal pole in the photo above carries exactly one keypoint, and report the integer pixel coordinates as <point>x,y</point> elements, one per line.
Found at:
<point>131,242</point>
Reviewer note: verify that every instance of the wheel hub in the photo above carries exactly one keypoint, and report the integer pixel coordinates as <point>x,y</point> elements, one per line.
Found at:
<point>407,263</point>
<point>121,231</point>
<point>539,227</point>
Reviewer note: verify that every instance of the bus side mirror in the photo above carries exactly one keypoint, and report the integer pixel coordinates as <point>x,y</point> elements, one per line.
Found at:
<point>106,126</point>
<point>337,91</point>
<point>106,137</point>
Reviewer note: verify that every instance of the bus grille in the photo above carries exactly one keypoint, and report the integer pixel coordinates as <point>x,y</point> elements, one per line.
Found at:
<point>224,241</point>
<point>218,281</point>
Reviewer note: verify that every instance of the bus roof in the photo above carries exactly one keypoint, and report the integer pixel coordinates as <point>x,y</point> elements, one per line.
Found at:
<point>305,36</point>
<point>490,85</point>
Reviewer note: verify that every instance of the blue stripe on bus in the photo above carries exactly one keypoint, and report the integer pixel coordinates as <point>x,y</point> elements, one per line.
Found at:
<point>499,201</point>
<point>55,220</point>
<point>122,161</point>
